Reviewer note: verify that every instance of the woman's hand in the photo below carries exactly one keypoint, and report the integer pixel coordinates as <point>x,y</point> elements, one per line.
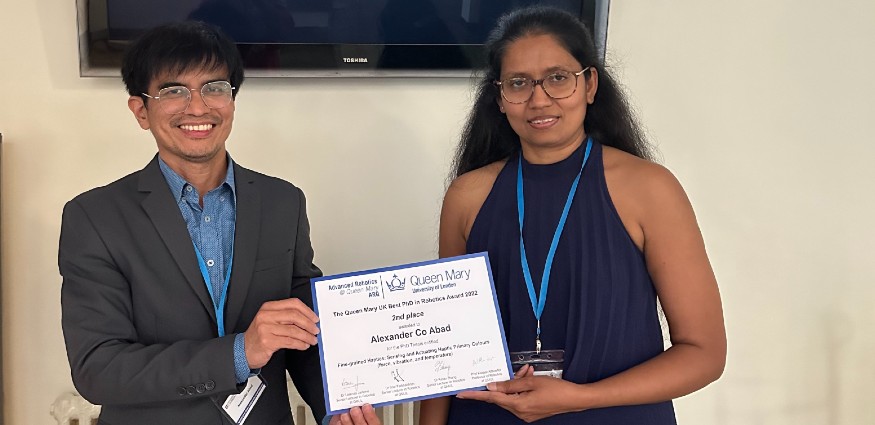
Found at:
<point>525,370</point>
<point>530,397</point>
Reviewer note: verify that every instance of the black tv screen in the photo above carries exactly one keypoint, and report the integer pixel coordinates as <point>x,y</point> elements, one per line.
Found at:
<point>322,37</point>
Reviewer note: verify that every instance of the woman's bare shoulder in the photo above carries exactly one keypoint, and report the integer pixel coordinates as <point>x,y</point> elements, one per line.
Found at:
<point>477,183</point>
<point>641,191</point>
<point>637,178</point>
<point>462,203</point>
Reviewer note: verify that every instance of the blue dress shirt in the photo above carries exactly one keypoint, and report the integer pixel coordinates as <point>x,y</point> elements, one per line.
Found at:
<point>211,228</point>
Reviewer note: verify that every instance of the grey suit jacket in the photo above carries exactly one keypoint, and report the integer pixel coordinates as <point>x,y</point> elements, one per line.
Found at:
<point>138,320</point>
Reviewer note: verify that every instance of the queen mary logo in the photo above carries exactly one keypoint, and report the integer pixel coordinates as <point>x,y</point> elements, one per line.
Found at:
<point>396,284</point>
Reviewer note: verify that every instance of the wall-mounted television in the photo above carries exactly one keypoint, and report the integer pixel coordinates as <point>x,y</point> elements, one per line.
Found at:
<point>323,38</point>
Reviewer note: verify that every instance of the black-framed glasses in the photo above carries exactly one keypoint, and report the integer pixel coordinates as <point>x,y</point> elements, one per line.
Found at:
<point>175,99</point>
<point>558,85</point>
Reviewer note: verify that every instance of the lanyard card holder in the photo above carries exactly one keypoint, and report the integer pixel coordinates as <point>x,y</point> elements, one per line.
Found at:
<point>546,363</point>
<point>237,407</point>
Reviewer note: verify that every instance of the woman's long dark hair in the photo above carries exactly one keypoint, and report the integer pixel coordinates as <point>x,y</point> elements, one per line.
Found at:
<point>488,136</point>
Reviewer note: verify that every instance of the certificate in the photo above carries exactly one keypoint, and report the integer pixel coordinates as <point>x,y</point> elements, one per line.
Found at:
<point>409,332</point>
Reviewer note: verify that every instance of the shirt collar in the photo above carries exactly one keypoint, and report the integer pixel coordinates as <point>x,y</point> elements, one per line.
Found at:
<point>177,184</point>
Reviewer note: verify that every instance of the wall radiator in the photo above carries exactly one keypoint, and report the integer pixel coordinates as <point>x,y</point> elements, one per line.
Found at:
<point>71,409</point>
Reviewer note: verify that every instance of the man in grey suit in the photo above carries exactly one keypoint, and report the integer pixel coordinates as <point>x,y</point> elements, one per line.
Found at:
<point>188,281</point>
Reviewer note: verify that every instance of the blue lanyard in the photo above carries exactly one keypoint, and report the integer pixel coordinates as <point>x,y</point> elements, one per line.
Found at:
<point>220,307</point>
<point>538,303</point>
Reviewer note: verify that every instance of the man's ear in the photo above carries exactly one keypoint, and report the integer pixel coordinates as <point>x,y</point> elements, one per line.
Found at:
<point>138,107</point>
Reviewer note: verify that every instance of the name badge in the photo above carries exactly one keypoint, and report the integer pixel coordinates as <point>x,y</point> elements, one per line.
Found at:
<point>238,406</point>
<point>545,362</point>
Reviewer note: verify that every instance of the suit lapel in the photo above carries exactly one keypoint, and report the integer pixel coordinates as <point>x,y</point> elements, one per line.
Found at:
<point>246,231</point>
<point>164,213</point>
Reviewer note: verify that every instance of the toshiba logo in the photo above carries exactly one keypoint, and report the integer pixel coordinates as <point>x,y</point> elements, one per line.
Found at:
<point>355,60</point>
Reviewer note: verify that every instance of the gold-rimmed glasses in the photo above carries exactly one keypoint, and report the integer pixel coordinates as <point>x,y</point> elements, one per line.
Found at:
<point>558,85</point>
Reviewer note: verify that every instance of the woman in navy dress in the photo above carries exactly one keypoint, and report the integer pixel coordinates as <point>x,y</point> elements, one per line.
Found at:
<point>584,235</point>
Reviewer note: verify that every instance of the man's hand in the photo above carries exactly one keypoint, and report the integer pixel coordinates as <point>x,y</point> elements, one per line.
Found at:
<point>365,415</point>
<point>279,324</point>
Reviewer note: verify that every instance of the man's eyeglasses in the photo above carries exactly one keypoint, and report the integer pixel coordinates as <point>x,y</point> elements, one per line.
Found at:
<point>175,99</point>
<point>558,85</point>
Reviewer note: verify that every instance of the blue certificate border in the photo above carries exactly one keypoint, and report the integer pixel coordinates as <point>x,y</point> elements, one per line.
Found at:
<point>316,280</point>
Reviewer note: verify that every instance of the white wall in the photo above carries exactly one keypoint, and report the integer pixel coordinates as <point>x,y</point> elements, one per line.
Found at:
<point>762,109</point>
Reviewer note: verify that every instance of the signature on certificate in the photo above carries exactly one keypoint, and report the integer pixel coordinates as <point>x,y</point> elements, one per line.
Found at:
<point>441,367</point>
<point>354,384</point>
<point>396,375</point>
<point>479,360</point>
